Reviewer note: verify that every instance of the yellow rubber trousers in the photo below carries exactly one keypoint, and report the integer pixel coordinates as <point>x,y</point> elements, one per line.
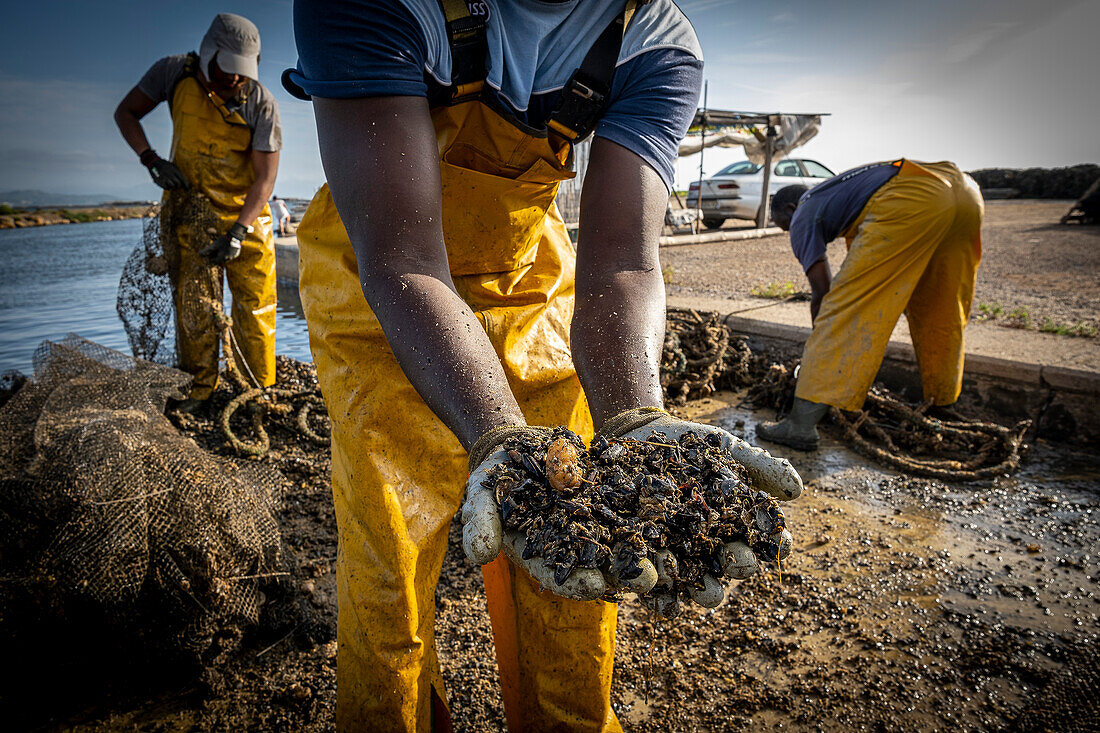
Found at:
<point>914,248</point>
<point>212,147</point>
<point>398,473</point>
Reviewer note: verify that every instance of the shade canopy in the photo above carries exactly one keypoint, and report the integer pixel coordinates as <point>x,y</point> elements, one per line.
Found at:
<point>727,129</point>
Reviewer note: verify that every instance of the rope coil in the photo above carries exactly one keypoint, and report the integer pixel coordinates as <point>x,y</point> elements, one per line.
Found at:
<point>700,357</point>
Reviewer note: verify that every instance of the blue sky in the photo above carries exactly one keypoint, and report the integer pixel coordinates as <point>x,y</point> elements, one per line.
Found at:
<point>983,83</point>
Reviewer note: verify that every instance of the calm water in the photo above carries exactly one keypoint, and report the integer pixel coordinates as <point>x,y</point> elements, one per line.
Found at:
<point>60,279</point>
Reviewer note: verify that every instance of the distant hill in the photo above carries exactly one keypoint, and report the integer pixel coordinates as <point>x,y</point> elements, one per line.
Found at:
<point>30,197</point>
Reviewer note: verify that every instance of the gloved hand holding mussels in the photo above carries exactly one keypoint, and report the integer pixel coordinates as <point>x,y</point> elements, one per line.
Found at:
<point>655,505</point>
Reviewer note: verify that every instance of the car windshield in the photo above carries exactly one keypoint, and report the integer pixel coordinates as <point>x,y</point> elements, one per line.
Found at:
<point>743,168</point>
<point>816,170</point>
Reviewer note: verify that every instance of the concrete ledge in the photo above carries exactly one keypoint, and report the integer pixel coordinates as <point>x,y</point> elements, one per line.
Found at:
<point>1070,380</point>
<point>1018,372</point>
<point>1010,371</point>
<point>767,329</point>
<point>728,235</point>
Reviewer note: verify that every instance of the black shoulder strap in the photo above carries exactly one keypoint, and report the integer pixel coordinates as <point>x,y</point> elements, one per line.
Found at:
<point>190,69</point>
<point>191,66</point>
<point>584,96</point>
<point>469,50</point>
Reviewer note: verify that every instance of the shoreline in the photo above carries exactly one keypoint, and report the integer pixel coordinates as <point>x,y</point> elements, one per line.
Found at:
<point>54,215</point>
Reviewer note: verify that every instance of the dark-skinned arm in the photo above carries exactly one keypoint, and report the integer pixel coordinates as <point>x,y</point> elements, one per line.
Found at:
<point>266,167</point>
<point>134,106</point>
<point>619,322</point>
<point>382,162</point>
<point>820,281</point>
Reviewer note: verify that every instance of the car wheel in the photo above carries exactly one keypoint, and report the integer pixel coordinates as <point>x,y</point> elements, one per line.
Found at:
<point>713,223</point>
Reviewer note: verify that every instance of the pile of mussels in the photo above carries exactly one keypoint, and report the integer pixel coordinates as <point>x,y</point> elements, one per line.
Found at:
<point>676,504</point>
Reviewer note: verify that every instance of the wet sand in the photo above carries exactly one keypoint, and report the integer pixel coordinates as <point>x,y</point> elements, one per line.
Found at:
<point>908,604</point>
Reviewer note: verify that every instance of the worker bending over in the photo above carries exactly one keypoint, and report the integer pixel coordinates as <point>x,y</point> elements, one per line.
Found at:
<point>225,145</point>
<point>281,215</point>
<point>914,242</point>
<point>445,129</point>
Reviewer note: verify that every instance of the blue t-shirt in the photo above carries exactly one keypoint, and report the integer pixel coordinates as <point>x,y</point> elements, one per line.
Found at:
<point>829,208</point>
<point>364,48</point>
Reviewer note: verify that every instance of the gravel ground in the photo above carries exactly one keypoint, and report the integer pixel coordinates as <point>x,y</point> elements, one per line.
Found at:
<point>908,604</point>
<point>1029,261</point>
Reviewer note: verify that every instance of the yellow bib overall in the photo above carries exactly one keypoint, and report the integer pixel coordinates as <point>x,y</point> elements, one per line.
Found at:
<point>914,248</point>
<point>212,146</point>
<point>398,473</point>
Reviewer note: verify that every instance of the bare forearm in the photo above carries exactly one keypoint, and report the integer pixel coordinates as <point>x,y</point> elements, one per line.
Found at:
<point>128,114</point>
<point>132,132</point>
<point>617,335</point>
<point>619,322</point>
<point>451,362</point>
<point>815,306</point>
<point>266,167</point>
<point>382,162</point>
<point>821,280</point>
<point>255,199</point>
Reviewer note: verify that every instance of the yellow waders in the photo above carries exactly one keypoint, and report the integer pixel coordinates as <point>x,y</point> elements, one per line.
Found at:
<point>914,248</point>
<point>398,473</point>
<point>212,147</point>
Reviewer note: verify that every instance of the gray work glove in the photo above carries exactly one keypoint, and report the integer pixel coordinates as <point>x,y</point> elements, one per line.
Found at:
<point>164,172</point>
<point>226,247</point>
<point>483,537</point>
<point>773,475</point>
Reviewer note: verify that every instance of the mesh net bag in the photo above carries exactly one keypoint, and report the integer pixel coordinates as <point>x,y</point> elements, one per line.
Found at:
<point>144,302</point>
<point>105,505</point>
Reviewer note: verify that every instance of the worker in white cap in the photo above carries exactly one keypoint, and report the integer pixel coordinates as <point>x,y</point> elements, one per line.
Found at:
<point>225,145</point>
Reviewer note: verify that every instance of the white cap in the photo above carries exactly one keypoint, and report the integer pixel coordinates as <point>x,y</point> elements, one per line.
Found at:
<point>236,41</point>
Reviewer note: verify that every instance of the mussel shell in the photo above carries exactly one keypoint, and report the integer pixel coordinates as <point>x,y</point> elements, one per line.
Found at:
<point>532,466</point>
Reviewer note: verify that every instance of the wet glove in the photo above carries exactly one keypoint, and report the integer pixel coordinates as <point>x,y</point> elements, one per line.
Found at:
<point>773,475</point>
<point>164,172</point>
<point>227,246</point>
<point>483,537</point>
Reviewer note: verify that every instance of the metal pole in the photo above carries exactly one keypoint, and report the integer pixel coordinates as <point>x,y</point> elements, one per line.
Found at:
<point>697,225</point>
<point>769,145</point>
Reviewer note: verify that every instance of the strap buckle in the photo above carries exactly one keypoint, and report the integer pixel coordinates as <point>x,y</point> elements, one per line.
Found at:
<point>469,50</point>
<point>585,91</point>
<point>578,109</point>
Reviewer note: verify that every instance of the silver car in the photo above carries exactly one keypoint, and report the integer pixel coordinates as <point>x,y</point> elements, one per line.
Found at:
<point>734,192</point>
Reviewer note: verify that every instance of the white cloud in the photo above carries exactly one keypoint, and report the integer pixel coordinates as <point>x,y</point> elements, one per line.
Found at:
<point>694,7</point>
<point>996,93</point>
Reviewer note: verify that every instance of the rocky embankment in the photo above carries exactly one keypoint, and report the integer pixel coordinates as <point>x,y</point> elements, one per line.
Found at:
<point>20,218</point>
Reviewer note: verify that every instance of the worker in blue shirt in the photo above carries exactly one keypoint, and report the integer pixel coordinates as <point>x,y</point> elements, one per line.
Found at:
<point>914,242</point>
<point>448,310</point>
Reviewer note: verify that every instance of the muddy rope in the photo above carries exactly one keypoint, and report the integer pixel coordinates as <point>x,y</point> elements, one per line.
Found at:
<point>264,399</point>
<point>701,357</point>
<point>258,399</point>
<point>891,432</point>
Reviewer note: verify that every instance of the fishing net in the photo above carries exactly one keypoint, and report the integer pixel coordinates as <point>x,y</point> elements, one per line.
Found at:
<point>105,506</point>
<point>151,273</point>
<point>700,356</point>
<point>900,435</point>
